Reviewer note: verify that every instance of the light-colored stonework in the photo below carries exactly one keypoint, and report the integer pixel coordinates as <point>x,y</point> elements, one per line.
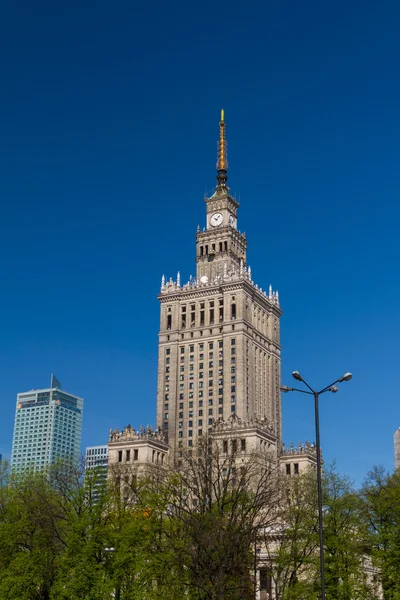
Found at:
<point>219,340</point>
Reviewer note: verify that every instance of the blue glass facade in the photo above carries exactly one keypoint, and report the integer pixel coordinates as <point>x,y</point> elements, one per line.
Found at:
<point>48,427</point>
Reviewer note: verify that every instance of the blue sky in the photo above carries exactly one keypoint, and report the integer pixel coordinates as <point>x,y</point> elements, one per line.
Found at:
<point>109,123</point>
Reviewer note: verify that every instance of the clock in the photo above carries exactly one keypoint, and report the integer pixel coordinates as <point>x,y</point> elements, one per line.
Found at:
<point>216,219</point>
<point>231,220</point>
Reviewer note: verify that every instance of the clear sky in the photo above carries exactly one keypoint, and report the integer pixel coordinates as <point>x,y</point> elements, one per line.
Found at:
<point>109,124</point>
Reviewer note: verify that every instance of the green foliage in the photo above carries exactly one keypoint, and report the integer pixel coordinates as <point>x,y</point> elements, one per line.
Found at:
<point>192,533</point>
<point>296,553</point>
<point>381,495</point>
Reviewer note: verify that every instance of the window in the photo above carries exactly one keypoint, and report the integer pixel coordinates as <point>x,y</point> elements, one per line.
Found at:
<point>182,349</point>
<point>119,455</point>
<point>201,412</point>
<point>128,455</point>
<point>288,469</point>
<point>296,468</point>
<point>190,433</point>
<point>167,351</point>
<point>167,361</point>
<point>210,411</point>
<point>191,348</point>
<point>233,341</point>
<point>200,422</point>
<point>225,446</point>
<point>233,350</point>
<point>210,346</point>
<point>243,445</point>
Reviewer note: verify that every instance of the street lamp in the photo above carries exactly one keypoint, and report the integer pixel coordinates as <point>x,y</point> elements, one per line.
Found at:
<point>330,388</point>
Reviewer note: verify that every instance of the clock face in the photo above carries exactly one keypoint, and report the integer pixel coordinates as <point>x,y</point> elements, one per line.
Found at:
<point>216,219</point>
<point>232,221</point>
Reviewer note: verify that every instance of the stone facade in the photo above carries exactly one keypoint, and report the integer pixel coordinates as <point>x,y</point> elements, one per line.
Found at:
<point>136,451</point>
<point>397,449</point>
<point>295,461</point>
<point>219,339</point>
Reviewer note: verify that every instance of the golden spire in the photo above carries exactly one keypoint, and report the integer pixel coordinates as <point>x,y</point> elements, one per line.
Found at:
<point>222,161</point>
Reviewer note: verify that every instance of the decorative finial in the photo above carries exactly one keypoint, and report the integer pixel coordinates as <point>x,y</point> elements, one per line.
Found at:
<point>162,283</point>
<point>270,292</point>
<point>222,162</point>
<point>178,280</point>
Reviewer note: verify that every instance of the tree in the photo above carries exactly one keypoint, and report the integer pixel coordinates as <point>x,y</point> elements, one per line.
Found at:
<point>31,537</point>
<point>381,495</point>
<point>215,506</point>
<point>294,546</point>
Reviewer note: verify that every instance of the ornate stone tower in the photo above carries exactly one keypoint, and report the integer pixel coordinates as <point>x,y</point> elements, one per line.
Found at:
<point>219,342</point>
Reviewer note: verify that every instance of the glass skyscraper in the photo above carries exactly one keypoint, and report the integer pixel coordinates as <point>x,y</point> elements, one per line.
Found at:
<point>48,427</point>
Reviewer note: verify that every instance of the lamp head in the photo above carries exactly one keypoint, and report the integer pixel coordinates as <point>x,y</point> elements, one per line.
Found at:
<point>333,388</point>
<point>285,388</point>
<point>297,376</point>
<point>346,377</point>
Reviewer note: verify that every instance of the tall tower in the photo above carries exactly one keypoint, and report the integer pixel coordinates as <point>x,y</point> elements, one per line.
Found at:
<point>219,341</point>
<point>397,449</point>
<point>48,427</point>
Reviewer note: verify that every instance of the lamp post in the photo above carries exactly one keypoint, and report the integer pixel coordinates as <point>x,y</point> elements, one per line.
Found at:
<point>330,388</point>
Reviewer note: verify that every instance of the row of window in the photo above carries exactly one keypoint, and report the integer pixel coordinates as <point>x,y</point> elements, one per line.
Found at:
<point>201,346</point>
